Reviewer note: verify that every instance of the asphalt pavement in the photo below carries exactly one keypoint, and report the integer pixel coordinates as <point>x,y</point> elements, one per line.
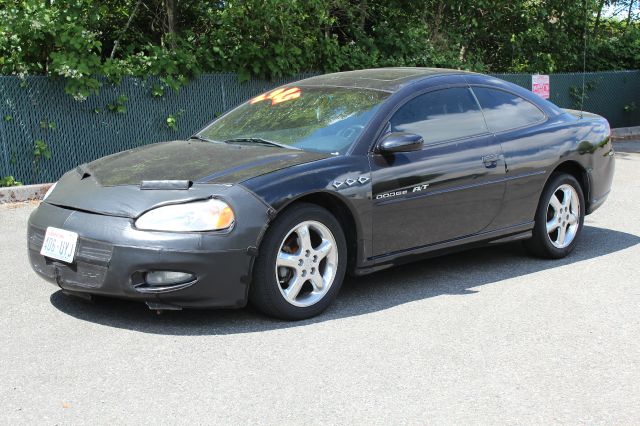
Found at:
<point>480,337</point>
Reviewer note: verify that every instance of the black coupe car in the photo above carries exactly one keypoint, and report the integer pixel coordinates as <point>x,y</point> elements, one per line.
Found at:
<point>275,201</point>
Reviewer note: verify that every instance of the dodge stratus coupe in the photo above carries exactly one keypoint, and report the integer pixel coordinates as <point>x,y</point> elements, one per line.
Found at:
<point>275,201</point>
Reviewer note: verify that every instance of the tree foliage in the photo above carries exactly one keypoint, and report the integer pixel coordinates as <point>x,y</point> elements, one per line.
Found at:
<point>83,40</point>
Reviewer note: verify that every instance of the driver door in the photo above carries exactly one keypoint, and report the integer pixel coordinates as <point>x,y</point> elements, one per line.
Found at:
<point>450,189</point>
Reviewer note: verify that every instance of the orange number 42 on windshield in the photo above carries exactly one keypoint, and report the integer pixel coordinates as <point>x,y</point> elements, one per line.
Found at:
<point>278,95</point>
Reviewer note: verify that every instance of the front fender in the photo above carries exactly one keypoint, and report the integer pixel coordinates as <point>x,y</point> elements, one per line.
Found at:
<point>343,179</point>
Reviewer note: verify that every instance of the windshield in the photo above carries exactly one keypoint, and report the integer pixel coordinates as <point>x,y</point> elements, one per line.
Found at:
<point>323,119</point>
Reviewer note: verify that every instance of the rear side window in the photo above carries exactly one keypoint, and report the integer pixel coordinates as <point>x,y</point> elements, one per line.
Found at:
<point>439,116</point>
<point>505,111</point>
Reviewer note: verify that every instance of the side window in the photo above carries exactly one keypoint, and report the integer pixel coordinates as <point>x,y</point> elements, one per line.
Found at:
<point>441,115</point>
<point>504,111</point>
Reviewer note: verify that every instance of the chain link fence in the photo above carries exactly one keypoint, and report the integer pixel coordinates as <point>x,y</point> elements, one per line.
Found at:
<point>35,111</point>
<point>613,94</point>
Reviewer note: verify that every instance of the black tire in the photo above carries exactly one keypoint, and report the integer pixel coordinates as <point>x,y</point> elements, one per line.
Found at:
<point>265,290</point>
<point>540,243</point>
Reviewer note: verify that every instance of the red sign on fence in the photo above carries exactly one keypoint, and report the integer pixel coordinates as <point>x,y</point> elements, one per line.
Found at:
<point>540,85</point>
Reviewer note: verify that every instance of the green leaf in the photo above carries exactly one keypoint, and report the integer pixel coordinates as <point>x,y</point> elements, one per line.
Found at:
<point>157,90</point>
<point>9,181</point>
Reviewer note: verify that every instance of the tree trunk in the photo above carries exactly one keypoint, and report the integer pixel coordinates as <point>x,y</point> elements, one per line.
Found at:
<point>363,15</point>
<point>170,7</point>
<point>437,20</point>
<point>597,23</point>
<point>628,16</point>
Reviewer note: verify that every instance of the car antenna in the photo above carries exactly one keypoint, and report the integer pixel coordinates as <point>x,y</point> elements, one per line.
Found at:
<point>584,57</point>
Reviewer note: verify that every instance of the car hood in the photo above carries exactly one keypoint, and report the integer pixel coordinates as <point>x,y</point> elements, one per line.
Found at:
<point>172,172</point>
<point>195,161</point>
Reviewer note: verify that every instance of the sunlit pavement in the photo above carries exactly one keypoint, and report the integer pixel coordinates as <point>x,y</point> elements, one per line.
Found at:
<point>484,336</point>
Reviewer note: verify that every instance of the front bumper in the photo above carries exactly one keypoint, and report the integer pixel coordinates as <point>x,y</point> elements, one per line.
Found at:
<point>112,258</point>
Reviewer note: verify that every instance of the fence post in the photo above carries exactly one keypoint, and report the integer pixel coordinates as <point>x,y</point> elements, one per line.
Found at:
<point>3,137</point>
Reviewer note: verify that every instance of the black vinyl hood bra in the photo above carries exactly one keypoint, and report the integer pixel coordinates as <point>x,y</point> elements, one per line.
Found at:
<point>201,162</point>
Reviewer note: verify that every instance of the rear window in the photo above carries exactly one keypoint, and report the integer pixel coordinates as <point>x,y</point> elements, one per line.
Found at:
<point>506,111</point>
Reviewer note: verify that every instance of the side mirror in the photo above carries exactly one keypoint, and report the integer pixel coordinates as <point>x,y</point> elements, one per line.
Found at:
<point>400,142</point>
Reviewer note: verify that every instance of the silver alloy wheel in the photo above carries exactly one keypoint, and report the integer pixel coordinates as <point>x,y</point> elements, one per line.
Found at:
<point>563,216</point>
<point>306,264</point>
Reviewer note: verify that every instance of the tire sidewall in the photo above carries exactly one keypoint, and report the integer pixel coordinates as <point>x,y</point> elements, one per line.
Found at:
<point>264,292</point>
<point>540,228</point>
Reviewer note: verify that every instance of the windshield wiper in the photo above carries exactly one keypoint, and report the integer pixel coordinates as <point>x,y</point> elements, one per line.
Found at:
<point>200,138</point>
<point>262,142</point>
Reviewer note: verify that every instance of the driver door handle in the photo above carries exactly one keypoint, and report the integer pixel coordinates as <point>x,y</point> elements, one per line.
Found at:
<point>490,160</point>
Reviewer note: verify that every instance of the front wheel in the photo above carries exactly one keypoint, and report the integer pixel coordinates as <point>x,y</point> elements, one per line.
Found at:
<point>559,218</point>
<point>301,264</point>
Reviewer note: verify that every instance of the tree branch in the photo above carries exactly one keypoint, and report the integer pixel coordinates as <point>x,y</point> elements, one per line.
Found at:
<point>124,30</point>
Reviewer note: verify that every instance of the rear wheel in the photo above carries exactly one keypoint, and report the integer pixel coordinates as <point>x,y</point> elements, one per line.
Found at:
<point>301,264</point>
<point>559,218</point>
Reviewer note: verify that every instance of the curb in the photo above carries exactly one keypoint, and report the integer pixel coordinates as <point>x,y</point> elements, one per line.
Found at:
<point>623,133</point>
<point>15,194</point>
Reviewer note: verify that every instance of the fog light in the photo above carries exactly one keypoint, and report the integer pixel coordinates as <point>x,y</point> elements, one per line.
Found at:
<point>168,277</point>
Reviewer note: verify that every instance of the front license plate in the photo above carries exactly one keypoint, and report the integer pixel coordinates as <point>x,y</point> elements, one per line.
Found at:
<point>59,244</point>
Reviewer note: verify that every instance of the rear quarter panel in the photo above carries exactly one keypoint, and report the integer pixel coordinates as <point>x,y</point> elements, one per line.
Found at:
<point>534,153</point>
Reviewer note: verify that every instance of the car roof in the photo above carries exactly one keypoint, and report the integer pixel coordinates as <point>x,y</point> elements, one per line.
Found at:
<point>384,79</point>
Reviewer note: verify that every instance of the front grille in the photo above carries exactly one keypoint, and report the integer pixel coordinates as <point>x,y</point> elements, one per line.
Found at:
<point>88,269</point>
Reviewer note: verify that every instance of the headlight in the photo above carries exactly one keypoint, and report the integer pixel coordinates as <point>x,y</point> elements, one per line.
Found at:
<point>49,191</point>
<point>207,215</point>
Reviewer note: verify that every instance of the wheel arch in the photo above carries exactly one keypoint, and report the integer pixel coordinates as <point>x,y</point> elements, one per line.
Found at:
<point>340,209</point>
<point>577,170</point>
